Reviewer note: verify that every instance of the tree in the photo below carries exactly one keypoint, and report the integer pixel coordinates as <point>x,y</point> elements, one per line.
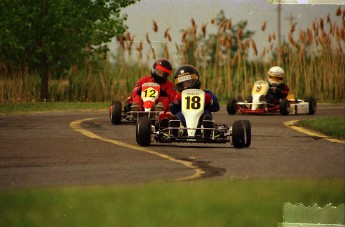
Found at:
<point>235,35</point>
<point>50,36</point>
<point>229,40</point>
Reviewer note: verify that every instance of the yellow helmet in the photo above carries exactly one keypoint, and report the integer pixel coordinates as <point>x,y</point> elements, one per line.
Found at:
<point>275,76</point>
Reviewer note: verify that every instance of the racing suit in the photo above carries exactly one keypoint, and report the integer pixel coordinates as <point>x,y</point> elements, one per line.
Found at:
<point>275,93</point>
<point>211,105</point>
<point>167,92</point>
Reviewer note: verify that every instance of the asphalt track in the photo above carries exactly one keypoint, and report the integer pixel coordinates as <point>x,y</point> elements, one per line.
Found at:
<point>84,148</point>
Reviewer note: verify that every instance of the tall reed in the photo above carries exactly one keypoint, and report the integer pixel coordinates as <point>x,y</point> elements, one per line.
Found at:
<point>313,60</point>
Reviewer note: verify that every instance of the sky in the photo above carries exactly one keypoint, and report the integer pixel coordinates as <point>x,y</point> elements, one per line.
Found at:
<point>177,14</point>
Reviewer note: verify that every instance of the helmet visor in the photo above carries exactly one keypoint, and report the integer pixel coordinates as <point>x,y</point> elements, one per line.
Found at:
<point>162,72</point>
<point>186,81</point>
<point>275,78</point>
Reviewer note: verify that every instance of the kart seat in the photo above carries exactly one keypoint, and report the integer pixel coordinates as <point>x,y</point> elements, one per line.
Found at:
<point>290,96</point>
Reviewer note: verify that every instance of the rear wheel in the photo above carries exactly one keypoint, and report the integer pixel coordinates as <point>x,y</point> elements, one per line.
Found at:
<point>116,102</point>
<point>207,124</point>
<point>238,132</point>
<point>115,112</point>
<point>248,135</point>
<point>284,107</point>
<point>143,131</point>
<point>312,105</point>
<point>231,106</point>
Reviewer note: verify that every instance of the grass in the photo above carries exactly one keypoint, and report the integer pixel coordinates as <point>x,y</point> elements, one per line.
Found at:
<point>257,202</point>
<point>331,126</point>
<point>15,108</point>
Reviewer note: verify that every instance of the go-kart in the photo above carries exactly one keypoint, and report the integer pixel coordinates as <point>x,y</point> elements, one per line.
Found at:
<point>149,94</point>
<point>257,103</point>
<point>196,130</point>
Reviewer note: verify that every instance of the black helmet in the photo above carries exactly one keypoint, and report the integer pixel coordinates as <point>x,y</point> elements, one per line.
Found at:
<point>187,76</point>
<point>161,70</point>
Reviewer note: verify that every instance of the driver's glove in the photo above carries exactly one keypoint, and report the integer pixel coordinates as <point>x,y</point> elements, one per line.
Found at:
<point>177,99</point>
<point>208,100</point>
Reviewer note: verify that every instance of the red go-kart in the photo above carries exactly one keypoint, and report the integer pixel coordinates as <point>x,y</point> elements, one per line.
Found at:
<point>149,94</point>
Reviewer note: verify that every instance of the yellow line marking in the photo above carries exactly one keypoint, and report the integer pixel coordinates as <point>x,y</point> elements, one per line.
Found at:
<point>290,124</point>
<point>76,126</point>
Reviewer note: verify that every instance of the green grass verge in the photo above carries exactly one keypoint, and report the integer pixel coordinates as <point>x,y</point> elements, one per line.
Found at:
<point>199,203</point>
<point>331,126</point>
<point>17,108</point>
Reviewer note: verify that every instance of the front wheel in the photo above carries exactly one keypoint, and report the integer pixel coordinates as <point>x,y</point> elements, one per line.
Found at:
<point>143,131</point>
<point>284,107</point>
<point>238,132</point>
<point>248,131</point>
<point>312,105</point>
<point>231,106</point>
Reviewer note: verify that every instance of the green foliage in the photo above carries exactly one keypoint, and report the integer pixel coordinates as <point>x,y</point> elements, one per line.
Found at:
<point>237,33</point>
<point>34,107</point>
<point>310,69</point>
<point>200,203</point>
<point>51,36</point>
<point>332,126</point>
<point>229,40</point>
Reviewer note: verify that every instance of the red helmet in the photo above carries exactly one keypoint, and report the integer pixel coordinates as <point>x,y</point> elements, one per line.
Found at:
<point>161,70</point>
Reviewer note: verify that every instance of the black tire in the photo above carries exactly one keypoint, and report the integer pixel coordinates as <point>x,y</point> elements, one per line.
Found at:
<point>231,106</point>
<point>137,136</point>
<point>143,131</point>
<point>116,102</point>
<point>312,105</point>
<point>248,135</point>
<point>284,107</point>
<point>238,132</point>
<point>115,115</point>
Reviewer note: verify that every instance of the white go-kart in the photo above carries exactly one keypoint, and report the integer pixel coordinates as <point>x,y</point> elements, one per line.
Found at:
<point>258,105</point>
<point>198,129</point>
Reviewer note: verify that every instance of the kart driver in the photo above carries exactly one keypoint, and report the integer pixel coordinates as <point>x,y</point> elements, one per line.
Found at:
<point>160,72</point>
<point>277,88</point>
<point>187,77</point>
